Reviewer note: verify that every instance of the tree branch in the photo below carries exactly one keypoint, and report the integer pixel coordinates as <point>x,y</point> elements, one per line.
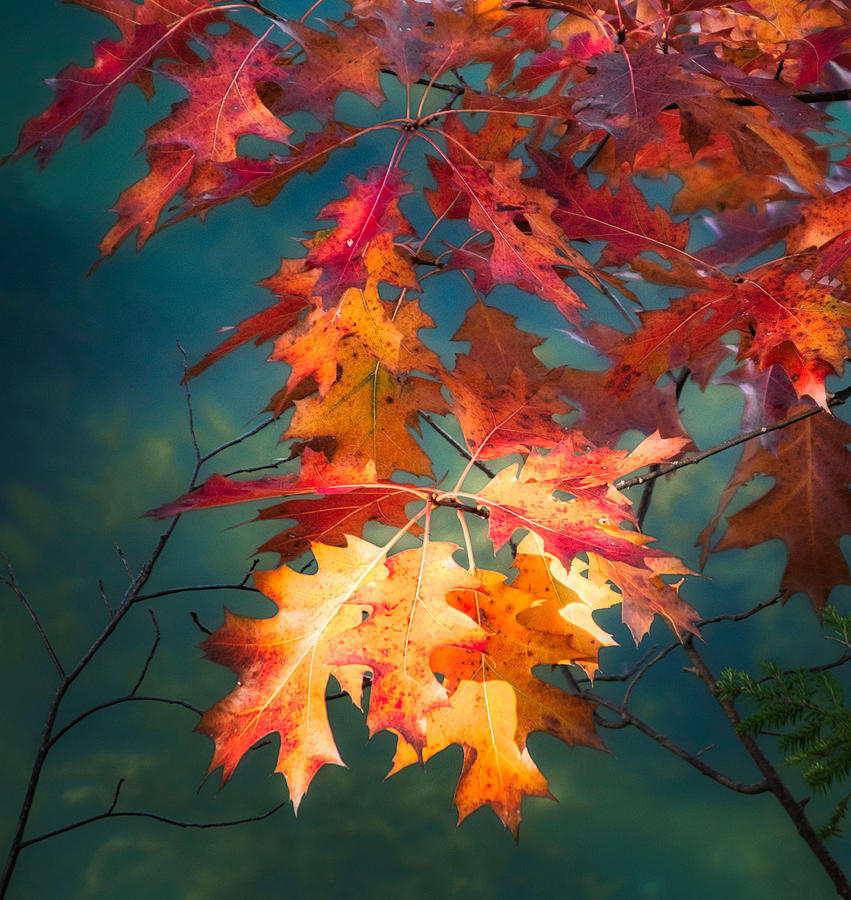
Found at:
<point>177,823</point>
<point>628,718</point>
<point>132,595</point>
<point>12,582</point>
<point>794,809</point>
<point>664,469</point>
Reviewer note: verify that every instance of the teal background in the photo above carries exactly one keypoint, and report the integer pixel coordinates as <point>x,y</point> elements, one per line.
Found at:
<point>95,432</point>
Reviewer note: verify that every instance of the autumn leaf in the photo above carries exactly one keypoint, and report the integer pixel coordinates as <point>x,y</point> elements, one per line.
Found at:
<point>150,30</point>
<point>527,244</point>
<point>140,206</point>
<point>328,519</point>
<point>808,507</point>
<point>626,91</point>
<point>410,619</point>
<point>174,169</point>
<point>312,346</point>
<point>223,103</point>
<point>603,417</point>
<point>624,220</point>
<point>621,166</point>
<point>483,719</point>
<point>369,414</point>
<point>784,317</point>
<point>335,60</point>
<point>497,342</point>
<point>501,419</point>
<point>496,701</point>
<point>560,593</point>
<point>525,497</point>
<point>294,284</point>
<point>370,209</point>
<point>327,502</point>
<point>281,664</point>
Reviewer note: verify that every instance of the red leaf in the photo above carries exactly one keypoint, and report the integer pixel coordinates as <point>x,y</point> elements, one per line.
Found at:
<point>152,30</point>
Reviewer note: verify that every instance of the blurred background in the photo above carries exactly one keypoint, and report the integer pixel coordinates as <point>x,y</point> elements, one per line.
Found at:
<point>95,433</point>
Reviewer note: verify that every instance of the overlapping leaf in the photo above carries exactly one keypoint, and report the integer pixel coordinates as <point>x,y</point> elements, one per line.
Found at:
<point>785,317</point>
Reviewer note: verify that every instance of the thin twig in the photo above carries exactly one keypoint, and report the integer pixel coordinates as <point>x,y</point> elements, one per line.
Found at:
<point>151,652</point>
<point>738,617</point>
<point>237,440</point>
<point>12,582</point>
<point>203,628</point>
<point>177,823</point>
<point>456,444</point>
<point>102,590</point>
<point>124,563</point>
<point>191,413</point>
<point>117,701</point>
<point>624,483</point>
<point>196,587</point>
<point>628,718</point>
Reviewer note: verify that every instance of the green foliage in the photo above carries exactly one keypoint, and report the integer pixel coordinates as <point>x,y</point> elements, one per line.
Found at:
<point>806,710</point>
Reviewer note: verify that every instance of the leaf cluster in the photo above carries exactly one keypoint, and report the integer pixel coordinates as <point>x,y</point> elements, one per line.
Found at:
<point>508,145</point>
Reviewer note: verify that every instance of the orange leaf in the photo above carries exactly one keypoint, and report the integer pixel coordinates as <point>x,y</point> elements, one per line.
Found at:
<point>496,701</point>
<point>367,414</point>
<point>410,620</point>
<point>282,667</point>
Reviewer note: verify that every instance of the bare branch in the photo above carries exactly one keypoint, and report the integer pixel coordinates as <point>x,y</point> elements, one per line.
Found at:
<point>124,563</point>
<point>738,617</point>
<point>102,590</point>
<point>129,698</point>
<point>151,653</point>
<point>203,628</point>
<point>177,823</point>
<point>627,718</point>
<point>237,440</point>
<point>458,446</point>
<point>167,592</point>
<point>12,582</point>
<point>191,412</point>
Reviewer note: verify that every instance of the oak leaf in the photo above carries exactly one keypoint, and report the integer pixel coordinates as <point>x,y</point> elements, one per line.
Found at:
<point>410,619</point>
<point>808,507</point>
<point>223,102</point>
<point>282,667</point>
<point>624,220</point>
<point>589,522</point>
<point>784,318</point>
<point>294,283</point>
<point>312,347</point>
<point>496,701</point>
<point>337,59</point>
<point>501,419</point>
<point>497,342</point>
<point>627,90</point>
<point>151,30</point>
<point>369,414</point>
